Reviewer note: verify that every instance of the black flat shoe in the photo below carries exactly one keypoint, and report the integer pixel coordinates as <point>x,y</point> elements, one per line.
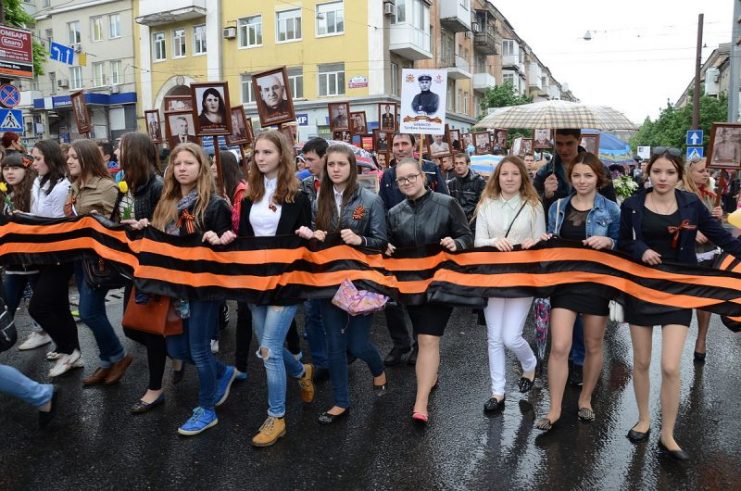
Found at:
<point>637,436</point>
<point>699,357</point>
<point>680,454</point>
<point>45,417</point>
<point>380,390</point>
<point>412,360</point>
<point>327,419</point>
<point>525,384</point>
<point>394,357</point>
<point>140,407</point>
<point>493,405</point>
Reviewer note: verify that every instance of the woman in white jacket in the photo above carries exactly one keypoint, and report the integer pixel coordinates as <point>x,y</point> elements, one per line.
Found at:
<point>509,213</point>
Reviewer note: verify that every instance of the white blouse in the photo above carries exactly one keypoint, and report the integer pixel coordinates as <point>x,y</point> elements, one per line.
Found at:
<point>263,218</point>
<point>495,216</point>
<point>49,205</point>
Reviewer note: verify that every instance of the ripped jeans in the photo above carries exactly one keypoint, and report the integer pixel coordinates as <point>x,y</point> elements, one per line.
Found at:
<point>271,324</point>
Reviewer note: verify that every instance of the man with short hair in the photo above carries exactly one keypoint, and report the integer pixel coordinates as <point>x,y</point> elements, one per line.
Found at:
<point>466,187</point>
<point>530,165</point>
<point>426,102</point>
<point>182,134</point>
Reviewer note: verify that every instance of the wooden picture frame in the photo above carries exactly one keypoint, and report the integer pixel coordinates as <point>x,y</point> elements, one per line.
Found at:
<point>383,159</point>
<point>211,108</point>
<point>178,103</point>
<point>542,138</point>
<point>339,116</point>
<point>526,146</point>
<point>290,131</point>
<point>724,150</point>
<point>177,132</point>
<point>439,146</point>
<point>241,131</point>
<point>82,116</point>
<point>499,138</point>
<point>154,125</point>
<point>388,116</point>
<point>358,123</point>
<point>342,136</point>
<point>382,140</point>
<point>590,143</point>
<point>482,141</point>
<point>456,144</point>
<point>273,94</point>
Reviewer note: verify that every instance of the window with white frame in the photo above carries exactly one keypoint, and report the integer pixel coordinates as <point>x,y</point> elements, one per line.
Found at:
<point>331,79</point>
<point>116,72</point>
<point>296,82</point>
<point>508,78</point>
<point>400,13</point>
<point>288,24</point>
<point>49,33</point>
<point>96,28</point>
<point>508,47</point>
<point>114,26</point>
<point>330,18</point>
<point>199,39</point>
<point>158,44</point>
<point>250,31</point>
<point>248,95</point>
<point>98,74</point>
<point>395,79</point>
<point>73,32</point>
<point>450,96</point>
<point>75,77</point>
<point>178,43</point>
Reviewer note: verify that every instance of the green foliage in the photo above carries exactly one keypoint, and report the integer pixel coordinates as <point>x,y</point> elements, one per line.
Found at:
<point>502,96</point>
<point>671,126</point>
<point>17,17</point>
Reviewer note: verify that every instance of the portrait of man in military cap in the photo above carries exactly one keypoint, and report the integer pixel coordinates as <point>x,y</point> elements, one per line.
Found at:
<point>426,102</point>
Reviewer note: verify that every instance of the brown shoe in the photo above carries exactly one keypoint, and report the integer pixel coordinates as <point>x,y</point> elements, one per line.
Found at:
<point>98,377</point>
<point>118,369</point>
<point>306,383</point>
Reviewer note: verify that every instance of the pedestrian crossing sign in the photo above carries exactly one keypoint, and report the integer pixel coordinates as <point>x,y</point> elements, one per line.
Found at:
<point>695,153</point>
<point>11,120</point>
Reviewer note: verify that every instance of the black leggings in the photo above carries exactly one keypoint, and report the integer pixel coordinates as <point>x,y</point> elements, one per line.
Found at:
<point>243,337</point>
<point>49,306</point>
<point>156,349</point>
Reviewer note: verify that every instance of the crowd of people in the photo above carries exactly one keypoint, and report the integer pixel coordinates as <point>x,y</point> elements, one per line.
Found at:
<point>672,219</point>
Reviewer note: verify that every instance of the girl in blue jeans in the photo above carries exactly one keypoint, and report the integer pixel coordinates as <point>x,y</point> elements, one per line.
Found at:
<point>189,205</point>
<point>358,216</point>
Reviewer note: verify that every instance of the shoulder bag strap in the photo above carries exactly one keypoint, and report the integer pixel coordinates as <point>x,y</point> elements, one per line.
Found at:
<point>513,220</point>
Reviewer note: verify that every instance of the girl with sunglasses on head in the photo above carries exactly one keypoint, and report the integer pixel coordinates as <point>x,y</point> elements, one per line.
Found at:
<point>658,225</point>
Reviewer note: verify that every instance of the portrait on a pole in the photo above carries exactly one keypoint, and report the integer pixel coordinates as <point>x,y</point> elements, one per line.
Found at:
<point>180,128</point>
<point>724,150</point>
<point>274,103</point>
<point>423,101</point>
<point>79,108</point>
<point>387,116</point>
<point>339,116</point>
<point>590,143</point>
<point>241,131</point>
<point>154,127</point>
<point>211,111</point>
<point>178,103</point>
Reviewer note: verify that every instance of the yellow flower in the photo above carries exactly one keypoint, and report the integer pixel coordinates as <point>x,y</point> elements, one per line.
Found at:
<point>3,187</point>
<point>123,187</point>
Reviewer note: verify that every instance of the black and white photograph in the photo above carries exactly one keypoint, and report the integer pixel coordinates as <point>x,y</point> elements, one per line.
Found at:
<point>82,117</point>
<point>358,125</point>
<point>339,116</point>
<point>455,140</point>
<point>724,150</point>
<point>499,139</point>
<point>590,143</point>
<point>542,138</point>
<point>381,140</point>
<point>212,108</point>
<point>154,127</point>
<point>482,142</point>
<point>423,96</point>
<point>387,120</point>
<point>178,103</point>
<point>241,129</point>
<point>180,128</point>
<point>526,146</point>
<point>438,145</point>
<point>274,103</point>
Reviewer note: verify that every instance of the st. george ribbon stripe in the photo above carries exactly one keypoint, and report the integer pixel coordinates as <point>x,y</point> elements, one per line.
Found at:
<point>278,270</point>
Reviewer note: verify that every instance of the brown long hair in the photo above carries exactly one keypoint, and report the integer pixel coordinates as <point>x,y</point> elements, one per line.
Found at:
<point>493,189</point>
<point>21,198</point>
<point>326,208</point>
<point>166,211</point>
<point>287,185</point>
<point>91,161</point>
<point>594,163</point>
<point>54,160</point>
<point>140,159</point>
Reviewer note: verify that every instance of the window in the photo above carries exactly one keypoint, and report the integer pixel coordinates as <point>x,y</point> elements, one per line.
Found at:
<point>250,31</point>
<point>98,75</point>
<point>401,11</point>
<point>158,41</point>
<point>508,78</point>
<point>330,18</point>
<point>450,96</point>
<point>332,79</point>
<point>199,40</point>
<point>178,43</point>
<point>296,82</point>
<point>447,48</point>
<point>248,95</point>
<point>395,79</point>
<point>96,28</point>
<point>508,47</point>
<point>73,32</point>
<point>289,25</point>
<point>75,77</point>
<point>116,72</point>
<point>114,26</point>
<point>49,33</point>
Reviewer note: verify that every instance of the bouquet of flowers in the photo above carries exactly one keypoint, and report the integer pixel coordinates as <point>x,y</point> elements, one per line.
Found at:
<point>625,186</point>
<point>7,203</point>
<point>126,201</point>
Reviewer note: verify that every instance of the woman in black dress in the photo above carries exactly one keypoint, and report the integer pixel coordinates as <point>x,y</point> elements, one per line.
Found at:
<point>657,225</point>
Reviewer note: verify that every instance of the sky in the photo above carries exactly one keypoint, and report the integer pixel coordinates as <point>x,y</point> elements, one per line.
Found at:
<point>642,52</point>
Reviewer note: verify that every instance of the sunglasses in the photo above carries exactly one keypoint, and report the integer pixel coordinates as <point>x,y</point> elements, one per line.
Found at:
<point>674,152</point>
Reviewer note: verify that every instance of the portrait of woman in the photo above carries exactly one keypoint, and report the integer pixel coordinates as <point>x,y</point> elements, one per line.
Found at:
<point>212,103</point>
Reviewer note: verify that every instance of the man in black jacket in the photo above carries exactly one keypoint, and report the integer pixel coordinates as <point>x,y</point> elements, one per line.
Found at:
<point>466,187</point>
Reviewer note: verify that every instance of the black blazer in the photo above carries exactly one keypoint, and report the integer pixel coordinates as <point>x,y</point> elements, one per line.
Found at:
<point>292,216</point>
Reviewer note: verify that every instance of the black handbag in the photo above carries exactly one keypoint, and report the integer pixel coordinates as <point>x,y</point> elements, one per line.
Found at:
<point>8,333</point>
<point>98,272</point>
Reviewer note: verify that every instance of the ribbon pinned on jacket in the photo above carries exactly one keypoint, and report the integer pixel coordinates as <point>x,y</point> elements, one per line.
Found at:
<point>685,225</point>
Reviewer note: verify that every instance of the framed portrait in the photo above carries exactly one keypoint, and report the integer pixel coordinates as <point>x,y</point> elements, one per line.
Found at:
<point>482,142</point>
<point>381,140</point>
<point>274,103</point>
<point>526,146</point>
<point>542,138</point>
<point>358,125</point>
<point>79,108</point>
<point>290,131</point>
<point>342,136</point>
<point>339,116</point>
<point>154,126</point>
<point>383,159</point>
<point>499,138</point>
<point>590,143</point>
<point>455,140</point>
<point>724,150</point>
<point>387,116</point>
<point>241,129</point>
<point>178,103</point>
<point>211,108</point>
<point>439,146</point>
<point>180,128</point>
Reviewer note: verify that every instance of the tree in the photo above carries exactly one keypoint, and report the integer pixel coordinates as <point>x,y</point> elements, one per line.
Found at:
<point>17,17</point>
<point>502,96</point>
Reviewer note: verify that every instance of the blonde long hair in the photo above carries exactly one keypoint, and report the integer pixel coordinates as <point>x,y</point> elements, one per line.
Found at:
<point>493,189</point>
<point>166,211</point>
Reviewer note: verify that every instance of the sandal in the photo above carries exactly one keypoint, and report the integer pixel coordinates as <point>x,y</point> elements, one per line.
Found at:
<point>544,424</point>
<point>586,414</point>
<point>525,384</point>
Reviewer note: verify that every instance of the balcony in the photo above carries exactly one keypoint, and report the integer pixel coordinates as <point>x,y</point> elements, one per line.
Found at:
<point>485,41</point>
<point>458,67</point>
<point>482,81</point>
<point>512,62</point>
<point>158,12</point>
<point>410,42</point>
<point>534,76</point>
<point>455,15</point>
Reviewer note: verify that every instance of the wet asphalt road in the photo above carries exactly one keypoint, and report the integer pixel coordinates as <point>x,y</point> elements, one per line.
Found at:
<point>95,444</point>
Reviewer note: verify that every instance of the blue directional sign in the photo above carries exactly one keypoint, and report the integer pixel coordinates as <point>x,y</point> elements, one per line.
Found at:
<point>695,153</point>
<point>62,53</point>
<point>11,120</point>
<point>694,137</point>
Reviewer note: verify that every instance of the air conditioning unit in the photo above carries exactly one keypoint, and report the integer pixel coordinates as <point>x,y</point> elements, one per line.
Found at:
<point>230,32</point>
<point>63,82</point>
<point>475,27</point>
<point>388,8</point>
<point>77,47</point>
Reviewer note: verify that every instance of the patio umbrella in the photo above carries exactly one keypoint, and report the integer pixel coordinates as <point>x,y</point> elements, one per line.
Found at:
<point>557,114</point>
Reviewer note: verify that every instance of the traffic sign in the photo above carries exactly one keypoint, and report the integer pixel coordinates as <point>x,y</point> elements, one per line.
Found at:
<point>10,96</point>
<point>62,53</point>
<point>694,137</point>
<point>695,153</point>
<point>11,120</point>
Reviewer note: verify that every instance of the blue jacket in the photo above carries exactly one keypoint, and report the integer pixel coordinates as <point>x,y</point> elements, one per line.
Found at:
<point>390,193</point>
<point>602,220</point>
<point>690,209</point>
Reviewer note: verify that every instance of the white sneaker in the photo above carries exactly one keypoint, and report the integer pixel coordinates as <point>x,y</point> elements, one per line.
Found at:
<point>214,346</point>
<point>35,340</point>
<point>65,363</point>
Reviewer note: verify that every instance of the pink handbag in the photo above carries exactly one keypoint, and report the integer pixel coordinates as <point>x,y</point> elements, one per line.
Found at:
<point>358,302</point>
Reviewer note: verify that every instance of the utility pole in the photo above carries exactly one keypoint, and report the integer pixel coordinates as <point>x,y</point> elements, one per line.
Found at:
<point>735,78</point>
<point>698,65</point>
